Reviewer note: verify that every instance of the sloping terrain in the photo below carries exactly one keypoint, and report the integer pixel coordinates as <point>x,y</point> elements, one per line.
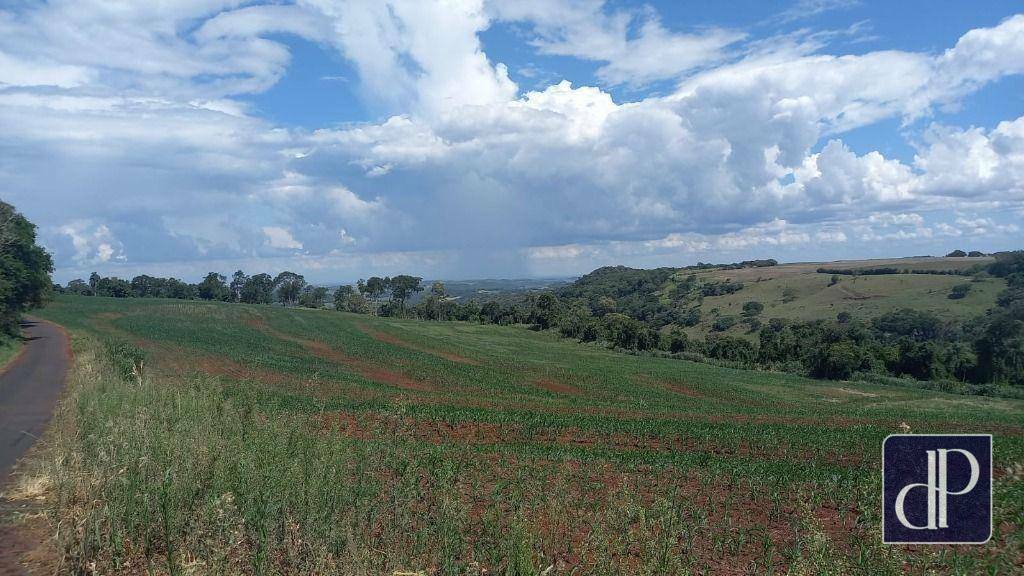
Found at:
<point>794,292</point>
<point>813,295</point>
<point>453,447</point>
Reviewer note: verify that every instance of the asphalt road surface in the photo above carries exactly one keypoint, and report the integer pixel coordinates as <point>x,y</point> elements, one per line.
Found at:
<point>29,390</point>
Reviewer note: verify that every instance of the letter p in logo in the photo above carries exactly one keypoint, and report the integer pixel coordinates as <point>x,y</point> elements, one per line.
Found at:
<point>937,488</point>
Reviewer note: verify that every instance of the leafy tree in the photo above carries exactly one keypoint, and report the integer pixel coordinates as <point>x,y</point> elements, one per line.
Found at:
<point>490,312</point>
<point>469,311</point>
<point>605,305</point>
<point>341,296</point>
<point>238,280</point>
<point>678,341</point>
<point>258,289</point>
<point>213,287</point>
<point>288,286</point>
<point>174,288</point>
<point>720,288</point>
<point>313,296</point>
<point>437,305</point>
<point>837,361</point>
<point>79,287</point>
<point>403,287</point>
<point>723,323</point>
<point>1009,265</point>
<point>545,311</point>
<point>918,359</point>
<point>752,308</point>
<point>691,317</point>
<point>1007,297</point>
<point>623,331</point>
<point>113,287</point>
<point>959,291</point>
<point>1000,346</point>
<point>24,268</point>
<point>358,304</point>
<point>753,323</point>
<point>917,324</point>
<point>376,287</point>
<point>572,323</point>
<point>730,348</point>
<point>144,286</point>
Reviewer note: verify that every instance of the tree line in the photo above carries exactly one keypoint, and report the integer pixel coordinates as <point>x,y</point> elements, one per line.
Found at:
<point>381,294</point>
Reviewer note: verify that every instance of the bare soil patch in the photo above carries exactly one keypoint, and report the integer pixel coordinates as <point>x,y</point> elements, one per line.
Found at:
<point>396,341</point>
<point>370,425</point>
<point>856,392</point>
<point>363,367</point>
<point>680,389</point>
<point>552,385</point>
<point>27,547</point>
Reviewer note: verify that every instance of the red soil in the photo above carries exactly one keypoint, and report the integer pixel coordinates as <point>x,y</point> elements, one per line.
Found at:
<point>27,545</point>
<point>363,367</point>
<point>369,425</point>
<point>396,341</point>
<point>552,385</point>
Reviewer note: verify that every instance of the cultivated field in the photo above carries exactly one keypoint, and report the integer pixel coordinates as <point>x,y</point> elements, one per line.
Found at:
<point>260,439</point>
<point>814,297</point>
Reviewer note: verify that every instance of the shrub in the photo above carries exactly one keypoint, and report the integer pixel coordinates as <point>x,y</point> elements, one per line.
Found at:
<point>126,359</point>
<point>959,291</point>
<point>752,308</point>
<point>691,317</point>
<point>788,294</point>
<point>723,323</point>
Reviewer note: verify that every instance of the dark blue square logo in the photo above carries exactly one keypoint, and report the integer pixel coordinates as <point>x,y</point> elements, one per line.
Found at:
<point>937,489</point>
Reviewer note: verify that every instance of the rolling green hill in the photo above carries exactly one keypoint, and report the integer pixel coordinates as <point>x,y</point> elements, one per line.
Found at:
<point>244,438</point>
<point>813,296</point>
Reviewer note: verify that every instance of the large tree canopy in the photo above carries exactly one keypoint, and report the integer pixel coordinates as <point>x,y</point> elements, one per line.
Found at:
<point>289,286</point>
<point>24,268</point>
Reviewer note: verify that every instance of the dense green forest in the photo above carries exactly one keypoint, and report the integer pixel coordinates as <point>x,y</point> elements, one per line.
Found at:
<point>631,310</point>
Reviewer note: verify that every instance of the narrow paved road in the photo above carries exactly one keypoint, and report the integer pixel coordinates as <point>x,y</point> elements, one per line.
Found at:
<point>29,390</point>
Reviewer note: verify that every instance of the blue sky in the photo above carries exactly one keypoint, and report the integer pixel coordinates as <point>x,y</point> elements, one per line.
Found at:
<point>473,138</point>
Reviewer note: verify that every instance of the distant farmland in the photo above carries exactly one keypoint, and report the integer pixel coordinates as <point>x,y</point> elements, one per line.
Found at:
<point>234,438</point>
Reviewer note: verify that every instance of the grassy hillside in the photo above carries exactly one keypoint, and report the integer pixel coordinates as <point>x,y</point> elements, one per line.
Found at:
<point>814,297</point>
<point>676,297</point>
<point>265,439</point>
